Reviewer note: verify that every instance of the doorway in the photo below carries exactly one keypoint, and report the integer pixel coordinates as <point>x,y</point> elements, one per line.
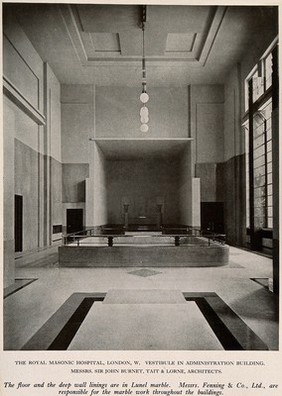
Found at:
<point>74,220</point>
<point>18,223</point>
<point>212,216</point>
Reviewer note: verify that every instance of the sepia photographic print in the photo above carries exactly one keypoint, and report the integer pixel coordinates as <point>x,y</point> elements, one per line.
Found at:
<point>140,199</point>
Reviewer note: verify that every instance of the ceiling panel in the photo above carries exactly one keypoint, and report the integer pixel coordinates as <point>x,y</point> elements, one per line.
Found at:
<point>180,42</point>
<point>204,20</point>
<point>106,42</point>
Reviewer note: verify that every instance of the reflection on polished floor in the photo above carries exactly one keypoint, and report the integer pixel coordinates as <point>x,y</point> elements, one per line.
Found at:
<point>45,308</point>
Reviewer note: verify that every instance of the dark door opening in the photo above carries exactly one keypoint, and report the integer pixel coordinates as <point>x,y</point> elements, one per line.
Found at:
<point>212,216</point>
<point>74,220</point>
<point>18,223</point>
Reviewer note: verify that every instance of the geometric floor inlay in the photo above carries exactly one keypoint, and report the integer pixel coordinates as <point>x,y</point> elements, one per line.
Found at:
<point>144,272</point>
<point>18,285</point>
<point>262,281</point>
<point>60,331</point>
<point>145,327</point>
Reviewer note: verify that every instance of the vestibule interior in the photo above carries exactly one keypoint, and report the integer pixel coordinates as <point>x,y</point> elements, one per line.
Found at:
<point>69,134</point>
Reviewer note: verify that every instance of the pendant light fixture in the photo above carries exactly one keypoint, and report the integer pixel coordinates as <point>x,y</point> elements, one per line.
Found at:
<point>144,97</point>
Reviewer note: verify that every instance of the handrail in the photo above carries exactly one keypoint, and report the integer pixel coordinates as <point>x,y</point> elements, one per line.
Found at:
<point>211,237</point>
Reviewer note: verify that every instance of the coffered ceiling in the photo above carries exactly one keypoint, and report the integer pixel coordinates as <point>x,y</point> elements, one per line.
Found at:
<point>102,44</point>
<point>171,33</point>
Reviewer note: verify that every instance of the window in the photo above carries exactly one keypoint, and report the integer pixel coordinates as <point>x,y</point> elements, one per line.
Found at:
<point>259,200</point>
<point>261,75</point>
<point>262,166</point>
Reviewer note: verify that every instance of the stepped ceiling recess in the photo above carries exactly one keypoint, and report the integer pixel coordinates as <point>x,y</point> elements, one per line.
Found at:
<point>102,44</point>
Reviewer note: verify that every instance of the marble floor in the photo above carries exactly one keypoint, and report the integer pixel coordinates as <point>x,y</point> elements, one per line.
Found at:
<point>29,308</point>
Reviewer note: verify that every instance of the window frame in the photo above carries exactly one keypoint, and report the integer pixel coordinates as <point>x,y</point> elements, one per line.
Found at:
<point>253,108</point>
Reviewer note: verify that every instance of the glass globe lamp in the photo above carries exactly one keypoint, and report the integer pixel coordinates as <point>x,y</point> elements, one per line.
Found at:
<point>144,97</point>
<point>144,128</point>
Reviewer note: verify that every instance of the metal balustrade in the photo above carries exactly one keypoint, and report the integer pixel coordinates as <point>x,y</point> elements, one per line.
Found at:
<point>179,234</point>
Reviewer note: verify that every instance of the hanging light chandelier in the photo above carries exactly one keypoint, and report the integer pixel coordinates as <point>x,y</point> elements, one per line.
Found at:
<point>144,97</point>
